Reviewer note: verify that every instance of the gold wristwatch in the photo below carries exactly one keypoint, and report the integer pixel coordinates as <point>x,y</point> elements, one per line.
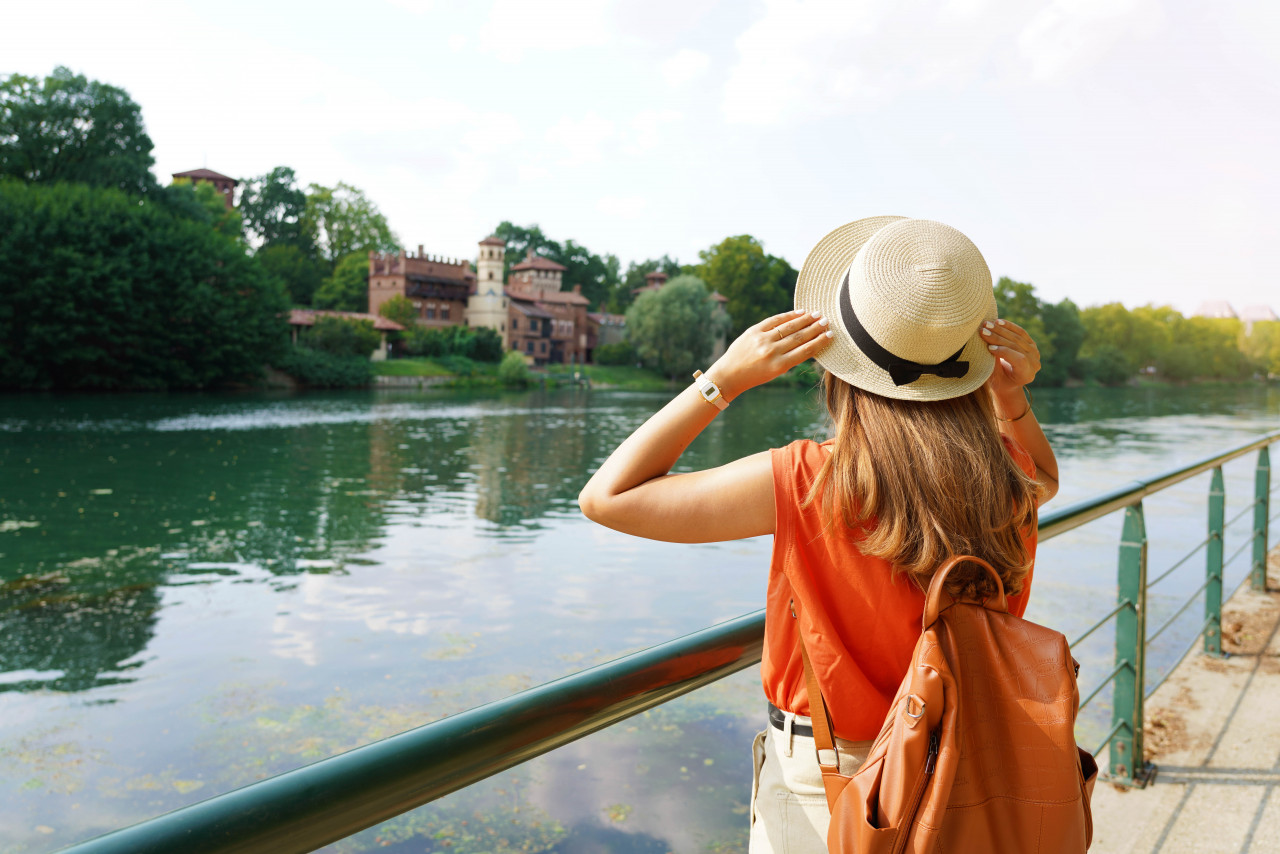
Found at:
<point>710,391</point>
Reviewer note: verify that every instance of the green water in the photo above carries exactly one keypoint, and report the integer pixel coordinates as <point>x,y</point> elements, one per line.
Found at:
<point>200,591</point>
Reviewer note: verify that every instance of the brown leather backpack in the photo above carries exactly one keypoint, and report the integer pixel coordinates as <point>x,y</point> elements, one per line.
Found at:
<point>978,750</point>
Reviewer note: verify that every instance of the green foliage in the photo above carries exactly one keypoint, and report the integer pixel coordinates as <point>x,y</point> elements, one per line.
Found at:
<point>673,329</point>
<point>343,221</point>
<point>348,288</point>
<point>481,344</point>
<point>1056,329</point>
<point>512,370</point>
<point>299,274</point>
<point>274,210</point>
<point>319,369</point>
<point>621,353</point>
<point>597,276</point>
<point>399,309</point>
<point>203,202</point>
<point>757,285</point>
<point>1108,365</point>
<point>99,290</point>
<point>1262,346</point>
<point>635,279</point>
<point>340,336</point>
<point>69,128</point>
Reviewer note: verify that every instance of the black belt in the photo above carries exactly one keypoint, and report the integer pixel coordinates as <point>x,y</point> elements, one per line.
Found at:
<point>778,718</point>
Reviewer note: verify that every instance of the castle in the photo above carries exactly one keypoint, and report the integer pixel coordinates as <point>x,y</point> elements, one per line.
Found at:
<point>532,312</point>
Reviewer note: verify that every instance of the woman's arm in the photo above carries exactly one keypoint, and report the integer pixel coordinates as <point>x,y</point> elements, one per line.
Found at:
<point>634,491</point>
<point>1017,362</point>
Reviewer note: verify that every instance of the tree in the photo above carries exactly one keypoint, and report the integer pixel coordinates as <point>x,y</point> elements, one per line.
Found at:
<point>203,201</point>
<point>274,210</point>
<point>1066,333</point>
<point>399,309</point>
<point>673,329</point>
<point>299,274</point>
<point>348,288</point>
<point>344,221</point>
<point>597,276</point>
<point>757,285</point>
<point>126,294</point>
<point>634,279</point>
<point>69,128</point>
<point>339,336</point>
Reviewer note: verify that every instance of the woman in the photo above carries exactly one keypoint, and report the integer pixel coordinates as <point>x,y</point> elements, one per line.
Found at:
<point>935,452</point>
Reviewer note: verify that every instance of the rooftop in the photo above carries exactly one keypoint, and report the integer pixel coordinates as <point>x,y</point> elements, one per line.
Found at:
<point>205,174</point>
<point>307,317</point>
<point>537,262</point>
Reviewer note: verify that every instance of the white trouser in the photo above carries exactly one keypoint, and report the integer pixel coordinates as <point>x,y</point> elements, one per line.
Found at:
<point>789,812</point>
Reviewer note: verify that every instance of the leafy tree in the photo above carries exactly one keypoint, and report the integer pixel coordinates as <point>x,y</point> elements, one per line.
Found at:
<point>1262,346</point>
<point>513,371</point>
<point>488,346</point>
<point>620,353</point>
<point>1066,334</point>
<point>521,240</point>
<point>757,285</point>
<point>318,369</point>
<point>342,337</point>
<point>597,276</point>
<point>344,221</point>
<point>299,274</point>
<point>1108,365</point>
<point>203,202</point>
<point>274,210</point>
<point>399,309</point>
<point>348,288</point>
<point>126,294</point>
<point>673,329</point>
<point>634,279</point>
<point>69,128</point>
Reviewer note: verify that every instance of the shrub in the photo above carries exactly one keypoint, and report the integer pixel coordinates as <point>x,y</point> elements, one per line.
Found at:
<point>621,353</point>
<point>421,341</point>
<point>488,347</point>
<point>482,344</point>
<point>400,310</point>
<point>325,370</point>
<point>513,371</point>
<point>1108,366</point>
<point>343,337</point>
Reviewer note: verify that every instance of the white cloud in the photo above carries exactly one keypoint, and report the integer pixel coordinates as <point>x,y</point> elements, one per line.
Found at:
<point>1067,35</point>
<point>582,138</point>
<point>515,27</point>
<point>648,129</point>
<point>417,7</point>
<point>684,67</point>
<point>457,42</point>
<point>622,207</point>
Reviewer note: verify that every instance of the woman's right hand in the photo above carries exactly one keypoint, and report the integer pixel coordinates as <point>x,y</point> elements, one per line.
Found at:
<point>769,349</point>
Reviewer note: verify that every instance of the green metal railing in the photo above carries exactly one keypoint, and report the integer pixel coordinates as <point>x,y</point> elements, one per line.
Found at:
<point>310,807</point>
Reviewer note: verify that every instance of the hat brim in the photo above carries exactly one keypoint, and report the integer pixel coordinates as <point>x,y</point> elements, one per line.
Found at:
<point>818,289</point>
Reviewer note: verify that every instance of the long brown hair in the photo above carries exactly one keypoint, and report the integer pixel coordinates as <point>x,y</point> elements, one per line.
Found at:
<point>919,481</point>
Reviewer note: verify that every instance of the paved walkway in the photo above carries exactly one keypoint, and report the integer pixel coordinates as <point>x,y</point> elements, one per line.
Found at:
<point>1213,729</point>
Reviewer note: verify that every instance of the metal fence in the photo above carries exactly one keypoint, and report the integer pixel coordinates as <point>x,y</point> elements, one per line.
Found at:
<point>310,807</point>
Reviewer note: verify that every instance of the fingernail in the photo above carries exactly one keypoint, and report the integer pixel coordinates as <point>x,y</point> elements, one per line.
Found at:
<point>800,311</point>
<point>989,325</point>
<point>1001,322</point>
<point>822,322</point>
<point>987,331</point>
<point>991,346</point>
<point>817,314</point>
<point>831,334</point>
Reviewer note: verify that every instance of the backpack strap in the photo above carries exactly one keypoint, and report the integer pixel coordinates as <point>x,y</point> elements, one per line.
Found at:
<point>823,739</point>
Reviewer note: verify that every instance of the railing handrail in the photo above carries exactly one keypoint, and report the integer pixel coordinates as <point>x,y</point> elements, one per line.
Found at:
<point>320,803</point>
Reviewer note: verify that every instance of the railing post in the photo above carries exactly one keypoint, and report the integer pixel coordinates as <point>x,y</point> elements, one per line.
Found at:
<point>1213,566</point>
<point>1127,764</point>
<point>1261,497</point>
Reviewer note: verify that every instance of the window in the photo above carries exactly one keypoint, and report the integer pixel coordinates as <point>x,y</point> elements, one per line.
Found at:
<point>431,314</point>
<point>528,346</point>
<point>515,324</point>
<point>444,312</point>
<point>490,274</point>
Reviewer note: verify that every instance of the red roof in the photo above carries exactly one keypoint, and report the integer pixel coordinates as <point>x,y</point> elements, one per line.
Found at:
<point>206,174</point>
<point>307,317</point>
<point>530,309</point>
<point>560,296</point>
<point>537,262</point>
<point>493,240</point>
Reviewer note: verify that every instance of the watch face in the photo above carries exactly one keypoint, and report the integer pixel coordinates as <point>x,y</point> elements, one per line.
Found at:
<point>709,392</point>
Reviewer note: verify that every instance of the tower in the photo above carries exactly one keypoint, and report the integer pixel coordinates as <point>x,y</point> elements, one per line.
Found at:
<point>489,264</point>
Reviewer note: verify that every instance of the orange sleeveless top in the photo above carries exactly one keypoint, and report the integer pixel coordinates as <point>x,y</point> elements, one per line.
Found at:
<point>860,621</point>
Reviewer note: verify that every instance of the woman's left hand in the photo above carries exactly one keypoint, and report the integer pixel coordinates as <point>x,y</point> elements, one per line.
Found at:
<point>1017,356</point>
<point>769,349</point>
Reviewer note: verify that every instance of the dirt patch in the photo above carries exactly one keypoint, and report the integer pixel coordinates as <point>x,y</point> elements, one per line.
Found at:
<point>1245,631</point>
<point>1164,731</point>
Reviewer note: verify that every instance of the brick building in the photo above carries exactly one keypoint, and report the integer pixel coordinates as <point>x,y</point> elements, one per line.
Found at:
<point>438,287</point>
<point>222,183</point>
<point>546,324</point>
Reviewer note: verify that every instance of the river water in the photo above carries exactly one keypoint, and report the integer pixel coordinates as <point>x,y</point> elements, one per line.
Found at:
<point>200,591</point>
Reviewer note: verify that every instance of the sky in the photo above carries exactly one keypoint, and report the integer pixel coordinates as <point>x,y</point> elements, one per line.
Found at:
<point>1103,150</point>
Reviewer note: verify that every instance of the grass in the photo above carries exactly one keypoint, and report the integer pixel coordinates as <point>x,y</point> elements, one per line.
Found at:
<point>623,377</point>
<point>410,368</point>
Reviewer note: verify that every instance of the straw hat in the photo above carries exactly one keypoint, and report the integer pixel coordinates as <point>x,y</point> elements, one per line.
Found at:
<point>906,299</point>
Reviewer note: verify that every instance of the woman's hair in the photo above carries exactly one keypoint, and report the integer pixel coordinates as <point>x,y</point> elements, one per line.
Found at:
<point>919,481</point>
